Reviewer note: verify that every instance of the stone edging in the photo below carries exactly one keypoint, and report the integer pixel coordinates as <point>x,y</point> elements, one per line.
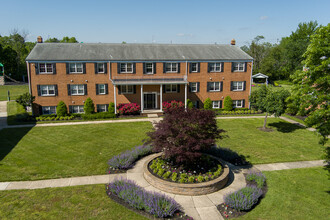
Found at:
<point>186,189</point>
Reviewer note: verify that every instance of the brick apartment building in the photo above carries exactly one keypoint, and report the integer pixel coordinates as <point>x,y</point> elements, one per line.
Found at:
<point>146,74</point>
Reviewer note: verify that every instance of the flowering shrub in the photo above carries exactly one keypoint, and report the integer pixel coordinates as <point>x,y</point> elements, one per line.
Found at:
<point>257,177</point>
<point>172,104</point>
<point>243,199</point>
<point>127,159</point>
<point>154,203</point>
<point>129,109</point>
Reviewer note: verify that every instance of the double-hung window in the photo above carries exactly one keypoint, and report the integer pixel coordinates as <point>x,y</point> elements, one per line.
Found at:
<point>216,104</point>
<point>214,86</point>
<point>171,67</point>
<point>76,68</point>
<point>101,88</point>
<point>238,103</point>
<point>47,90</point>
<point>238,86</point>
<point>238,67</point>
<point>47,110</point>
<point>77,109</point>
<point>46,68</point>
<point>194,67</point>
<point>127,89</point>
<point>101,108</point>
<point>126,67</point>
<point>193,87</point>
<point>100,67</point>
<point>77,89</point>
<point>170,88</point>
<point>149,68</point>
<point>215,67</point>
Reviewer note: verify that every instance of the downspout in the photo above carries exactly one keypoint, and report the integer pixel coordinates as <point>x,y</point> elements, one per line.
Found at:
<point>185,87</point>
<point>28,73</point>
<point>250,83</point>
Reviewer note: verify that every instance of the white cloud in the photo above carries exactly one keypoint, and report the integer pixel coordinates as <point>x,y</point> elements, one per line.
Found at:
<point>263,17</point>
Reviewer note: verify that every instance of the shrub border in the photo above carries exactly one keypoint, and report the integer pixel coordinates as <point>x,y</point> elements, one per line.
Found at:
<point>186,189</point>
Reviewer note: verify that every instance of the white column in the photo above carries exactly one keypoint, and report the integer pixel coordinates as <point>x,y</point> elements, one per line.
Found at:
<point>185,96</point>
<point>142,101</point>
<point>161,97</point>
<point>114,97</point>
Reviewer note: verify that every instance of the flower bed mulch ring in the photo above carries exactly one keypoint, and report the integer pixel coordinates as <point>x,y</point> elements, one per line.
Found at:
<point>177,215</point>
<point>228,212</point>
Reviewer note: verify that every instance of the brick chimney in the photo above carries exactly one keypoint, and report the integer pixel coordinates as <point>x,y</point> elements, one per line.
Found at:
<point>39,39</point>
<point>233,42</point>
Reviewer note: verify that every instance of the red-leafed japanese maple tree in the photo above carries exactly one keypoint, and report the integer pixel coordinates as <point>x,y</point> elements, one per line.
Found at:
<point>184,134</point>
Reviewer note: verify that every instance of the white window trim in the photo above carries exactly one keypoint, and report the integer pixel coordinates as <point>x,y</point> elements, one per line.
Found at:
<point>43,111</point>
<point>126,64</point>
<point>237,85</point>
<point>83,93</point>
<point>80,109</point>
<point>46,68</point>
<point>152,68</point>
<point>105,107</point>
<point>195,71</point>
<point>75,67</point>
<point>235,103</point>
<point>214,87</point>
<point>239,64</point>
<point>47,90</point>
<point>213,104</point>
<point>126,86</point>
<point>196,84</point>
<point>100,89</point>
<point>215,67</point>
<point>98,67</point>
<point>171,86</point>
<point>171,64</point>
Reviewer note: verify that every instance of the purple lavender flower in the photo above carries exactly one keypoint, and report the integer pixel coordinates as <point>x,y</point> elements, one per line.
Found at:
<point>243,199</point>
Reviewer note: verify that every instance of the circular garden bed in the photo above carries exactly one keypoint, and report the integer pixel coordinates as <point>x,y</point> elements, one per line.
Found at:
<point>194,182</point>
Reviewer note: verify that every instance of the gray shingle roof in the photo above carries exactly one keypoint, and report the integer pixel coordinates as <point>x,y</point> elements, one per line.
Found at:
<point>134,52</point>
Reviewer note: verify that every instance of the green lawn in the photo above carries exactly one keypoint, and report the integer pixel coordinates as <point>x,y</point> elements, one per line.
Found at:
<point>287,142</point>
<point>14,109</point>
<point>79,202</point>
<point>64,151</point>
<point>294,194</point>
<point>15,91</point>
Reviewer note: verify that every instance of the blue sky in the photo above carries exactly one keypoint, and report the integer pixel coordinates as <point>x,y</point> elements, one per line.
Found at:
<point>161,21</point>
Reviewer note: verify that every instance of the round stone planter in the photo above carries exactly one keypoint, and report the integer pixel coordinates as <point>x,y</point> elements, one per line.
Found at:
<point>192,189</point>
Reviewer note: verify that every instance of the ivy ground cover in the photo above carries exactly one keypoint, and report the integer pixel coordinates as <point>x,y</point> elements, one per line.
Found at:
<point>65,151</point>
<point>287,142</point>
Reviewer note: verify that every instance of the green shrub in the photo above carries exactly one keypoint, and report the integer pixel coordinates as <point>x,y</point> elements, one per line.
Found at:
<point>200,179</point>
<point>167,175</point>
<point>228,103</point>
<point>206,178</point>
<point>99,115</point>
<point>208,103</point>
<point>160,172</point>
<point>191,179</point>
<point>182,180</point>
<point>155,170</point>
<point>174,177</point>
<point>111,108</point>
<point>61,109</point>
<point>89,106</point>
<point>190,104</point>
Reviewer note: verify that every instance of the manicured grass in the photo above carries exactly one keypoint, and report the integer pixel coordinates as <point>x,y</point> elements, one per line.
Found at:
<point>294,118</point>
<point>284,86</point>
<point>294,194</point>
<point>79,202</point>
<point>13,109</point>
<point>64,151</point>
<point>243,115</point>
<point>287,142</point>
<point>15,91</point>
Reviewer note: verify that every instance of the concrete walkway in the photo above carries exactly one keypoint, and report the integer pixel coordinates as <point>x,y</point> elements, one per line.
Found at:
<point>3,114</point>
<point>199,207</point>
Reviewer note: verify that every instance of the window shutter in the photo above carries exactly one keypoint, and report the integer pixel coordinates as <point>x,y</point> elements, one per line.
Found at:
<point>220,103</point>
<point>56,90</point>
<point>67,68</point>
<point>39,91</point>
<point>244,85</point>
<point>134,89</point>
<point>40,110</point>
<point>198,87</point>
<point>85,89</point>
<point>54,68</point>
<point>221,86</point>
<point>231,85</point>
<point>70,108</point>
<point>106,88</point>
<point>95,67</point>
<point>197,104</point>
<point>107,107</point>
<point>36,65</point>
<point>97,89</point>
<point>208,87</point>
<point>208,67</point>
<point>144,68</point>
<point>118,67</point>
<point>84,68</point>
<point>164,89</point>
<point>232,66</point>
<point>190,87</point>
<point>155,70</point>
<point>245,66</point>
<point>134,68</point>
<point>198,67</point>
<point>243,104</point>
<point>190,67</point>
<point>222,66</point>
<point>105,68</point>
<point>97,107</point>
<point>119,90</point>
<point>69,89</point>
<point>164,67</point>
<point>178,88</point>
